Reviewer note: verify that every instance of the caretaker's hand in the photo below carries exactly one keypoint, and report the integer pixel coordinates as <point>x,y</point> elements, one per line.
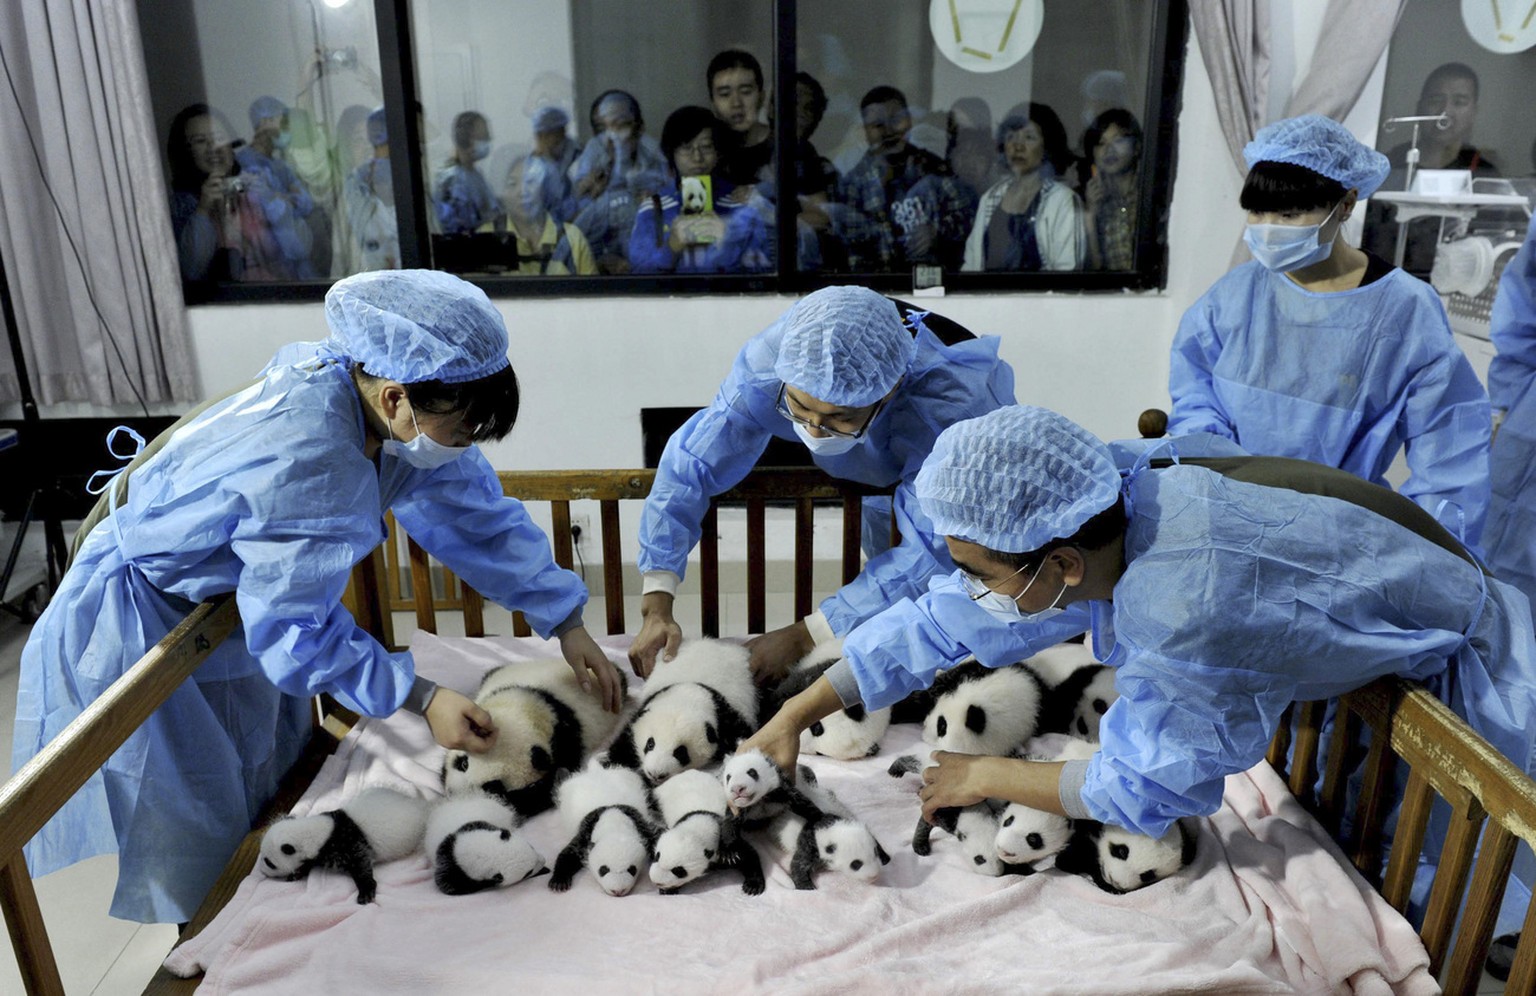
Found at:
<point>458,724</point>
<point>775,652</point>
<point>593,668</point>
<point>659,632</point>
<point>956,780</point>
<point>780,736</point>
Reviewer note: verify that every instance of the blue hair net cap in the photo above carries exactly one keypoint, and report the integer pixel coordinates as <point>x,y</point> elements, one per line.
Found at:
<point>550,118</point>
<point>416,325</point>
<point>844,346</point>
<point>377,127</point>
<point>1015,479</point>
<point>1323,146</point>
<point>266,107</point>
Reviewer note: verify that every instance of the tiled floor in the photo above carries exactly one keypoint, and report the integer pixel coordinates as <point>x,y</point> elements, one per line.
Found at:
<point>97,954</point>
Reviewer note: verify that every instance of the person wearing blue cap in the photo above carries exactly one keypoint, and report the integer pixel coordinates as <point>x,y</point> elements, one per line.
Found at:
<point>867,395</point>
<point>1220,590</point>
<point>285,201</point>
<point>369,198</point>
<point>461,196</point>
<point>1320,351</point>
<point>554,146</point>
<point>274,492</point>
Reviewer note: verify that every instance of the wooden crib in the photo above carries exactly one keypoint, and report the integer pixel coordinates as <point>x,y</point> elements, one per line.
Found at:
<point>1492,801</point>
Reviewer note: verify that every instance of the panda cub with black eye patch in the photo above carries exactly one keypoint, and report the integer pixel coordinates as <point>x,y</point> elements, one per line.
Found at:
<point>1120,860</point>
<point>981,710</point>
<point>973,827</point>
<point>473,843</point>
<point>757,791</point>
<point>694,710</point>
<point>1030,837</point>
<point>378,824</point>
<point>834,841</point>
<point>607,810</point>
<point>1077,705</point>
<point>545,723</point>
<point>847,734</point>
<point>693,809</point>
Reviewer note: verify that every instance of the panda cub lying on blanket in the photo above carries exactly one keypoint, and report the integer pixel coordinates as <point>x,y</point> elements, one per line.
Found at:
<point>378,824</point>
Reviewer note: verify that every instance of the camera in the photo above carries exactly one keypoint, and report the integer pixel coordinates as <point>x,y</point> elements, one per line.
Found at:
<point>234,186</point>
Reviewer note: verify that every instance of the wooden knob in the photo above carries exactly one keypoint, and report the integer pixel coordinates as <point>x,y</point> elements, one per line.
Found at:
<point>1153,423</point>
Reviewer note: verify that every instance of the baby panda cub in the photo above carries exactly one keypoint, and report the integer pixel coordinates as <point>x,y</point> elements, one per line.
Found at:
<point>1120,860</point>
<point>608,812</point>
<point>695,709</point>
<point>757,791</point>
<point>473,843</point>
<point>1029,837</point>
<point>973,827</point>
<point>847,734</point>
<point>834,841</point>
<point>1079,702</point>
<point>981,710</point>
<point>693,808</point>
<point>378,824</point>
<point>545,723</point>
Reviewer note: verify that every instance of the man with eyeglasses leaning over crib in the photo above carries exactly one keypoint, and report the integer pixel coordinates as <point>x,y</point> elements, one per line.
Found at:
<point>867,393</point>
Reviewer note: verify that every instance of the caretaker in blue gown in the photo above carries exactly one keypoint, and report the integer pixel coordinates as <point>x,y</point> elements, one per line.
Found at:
<point>1511,533</point>
<point>1221,590</point>
<point>1320,351</point>
<point>867,396</point>
<point>274,493</point>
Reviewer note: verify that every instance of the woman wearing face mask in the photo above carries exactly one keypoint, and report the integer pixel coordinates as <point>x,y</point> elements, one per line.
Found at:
<point>460,193</point>
<point>273,493</point>
<point>844,376</point>
<point>1320,351</point>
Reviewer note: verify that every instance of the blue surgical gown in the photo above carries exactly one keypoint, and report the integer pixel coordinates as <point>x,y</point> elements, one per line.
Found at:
<point>1237,599</point>
<point>267,494</point>
<point>716,448</point>
<point>1345,379</point>
<point>1511,533</point>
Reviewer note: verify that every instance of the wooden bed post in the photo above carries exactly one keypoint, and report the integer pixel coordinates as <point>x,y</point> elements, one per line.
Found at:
<point>29,937</point>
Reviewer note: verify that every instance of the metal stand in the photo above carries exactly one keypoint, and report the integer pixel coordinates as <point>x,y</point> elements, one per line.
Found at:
<point>45,493</point>
<point>1442,122</point>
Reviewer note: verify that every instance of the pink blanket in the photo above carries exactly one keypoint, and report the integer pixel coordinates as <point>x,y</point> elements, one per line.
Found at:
<point>1268,906</point>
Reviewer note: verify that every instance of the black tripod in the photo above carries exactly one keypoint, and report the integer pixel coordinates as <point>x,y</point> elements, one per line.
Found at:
<point>45,491</point>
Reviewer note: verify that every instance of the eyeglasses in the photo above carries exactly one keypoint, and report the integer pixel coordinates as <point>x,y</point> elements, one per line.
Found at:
<point>783,406</point>
<point>977,589</point>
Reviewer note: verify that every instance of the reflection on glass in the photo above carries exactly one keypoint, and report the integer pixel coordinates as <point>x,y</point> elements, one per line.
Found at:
<point>369,198</point>
<point>736,93</point>
<point>619,168</point>
<point>1114,143</point>
<point>1031,219</point>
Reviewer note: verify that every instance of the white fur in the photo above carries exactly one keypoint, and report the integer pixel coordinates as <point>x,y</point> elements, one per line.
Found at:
<point>1054,664</point>
<point>1009,697</point>
<point>1059,747</point>
<point>1086,718</point>
<point>720,664</point>
<point>289,843</point>
<point>619,853</point>
<point>391,822</point>
<point>594,787</point>
<point>1027,836</point>
<point>687,792</point>
<point>747,776</point>
<point>691,845</point>
<point>497,857</point>
<point>676,712</point>
<point>523,722</point>
<point>976,833</point>
<point>691,191</point>
<point>845,846</point>
<point>1146,859</point>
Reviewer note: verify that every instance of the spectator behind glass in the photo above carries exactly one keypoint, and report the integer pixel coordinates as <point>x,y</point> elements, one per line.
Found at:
<point>727,237</point>
<point>971,150</point>
<point>1030,220</point>
<point>1113,144</point>
<point>1450,89</point>
<point>735,81</point>
<point>555,146</point>
<point>815,180</point>
<point>284,200</point>
<point>461,195</point>
<point>618,168</point>
<point>310,156</point>
<point>369,199</point>
<point>899,205</point>
<point>221,234</point>
<point>546,246</point>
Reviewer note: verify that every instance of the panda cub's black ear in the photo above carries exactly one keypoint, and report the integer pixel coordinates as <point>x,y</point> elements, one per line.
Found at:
<point>539,759</point>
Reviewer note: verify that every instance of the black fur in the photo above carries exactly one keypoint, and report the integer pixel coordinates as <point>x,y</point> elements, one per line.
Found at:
<point>730,729</point>
<point>1081,855</point>
<point>528,801</point>
<point>793,684</point>
<point>914,708</point>
<point>906,764</point>
<point>450,878</point>
<point>808,860</point>
<point>1060,703</point>
<point>734,852</point>
<point>346,850</point>
<point>944,819</point>
<point>573,857</point>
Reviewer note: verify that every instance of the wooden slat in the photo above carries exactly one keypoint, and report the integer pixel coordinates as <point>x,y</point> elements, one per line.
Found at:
<point>576,485</point>
<point>757,616</point>
<point>1304,755</point>
<point>47,781</point>
<point>365,597</point>
<point>1408,841</point>
<point>1522,974</point>
<point>421,588</point>
<point>853,512</point>
<point>1495,858</point>
<point>393,589</point>
<point>1280,744</point>
<point>520,625</point>
<point>474,611</point>
<point>1450,879</point>
<point>1372,806</point>
<point>709,574</point>
<point>1346,728</point>
<point>24,920</point>
<point>560,521</point>
<point>805,538</point>
<point>613,565</point>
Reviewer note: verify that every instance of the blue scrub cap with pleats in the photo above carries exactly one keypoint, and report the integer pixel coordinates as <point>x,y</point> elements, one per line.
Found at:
<point>844,346</point>
<point>416,325</point>
<point>1323,146</point>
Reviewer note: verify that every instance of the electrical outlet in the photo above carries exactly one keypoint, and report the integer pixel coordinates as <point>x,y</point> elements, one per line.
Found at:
<point>581,527</point>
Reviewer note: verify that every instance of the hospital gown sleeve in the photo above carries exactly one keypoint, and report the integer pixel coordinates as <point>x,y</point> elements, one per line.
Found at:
<point>1191,382</point>
<point>900,572</point>
<point>1446,429</point>
<point>1513,328</point>
<point>459,514</point>
<point>708,454</point>
<point>901,650</point>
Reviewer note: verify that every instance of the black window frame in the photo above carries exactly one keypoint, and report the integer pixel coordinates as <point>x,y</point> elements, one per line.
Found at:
<point>397,72</point>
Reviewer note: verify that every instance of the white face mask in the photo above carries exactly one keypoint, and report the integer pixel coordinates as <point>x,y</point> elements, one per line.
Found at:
<point>824,445</point>
<point>1284,248</point>
<point>1002,607</point>
<point>480,149</point>
<point>423,452</point>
